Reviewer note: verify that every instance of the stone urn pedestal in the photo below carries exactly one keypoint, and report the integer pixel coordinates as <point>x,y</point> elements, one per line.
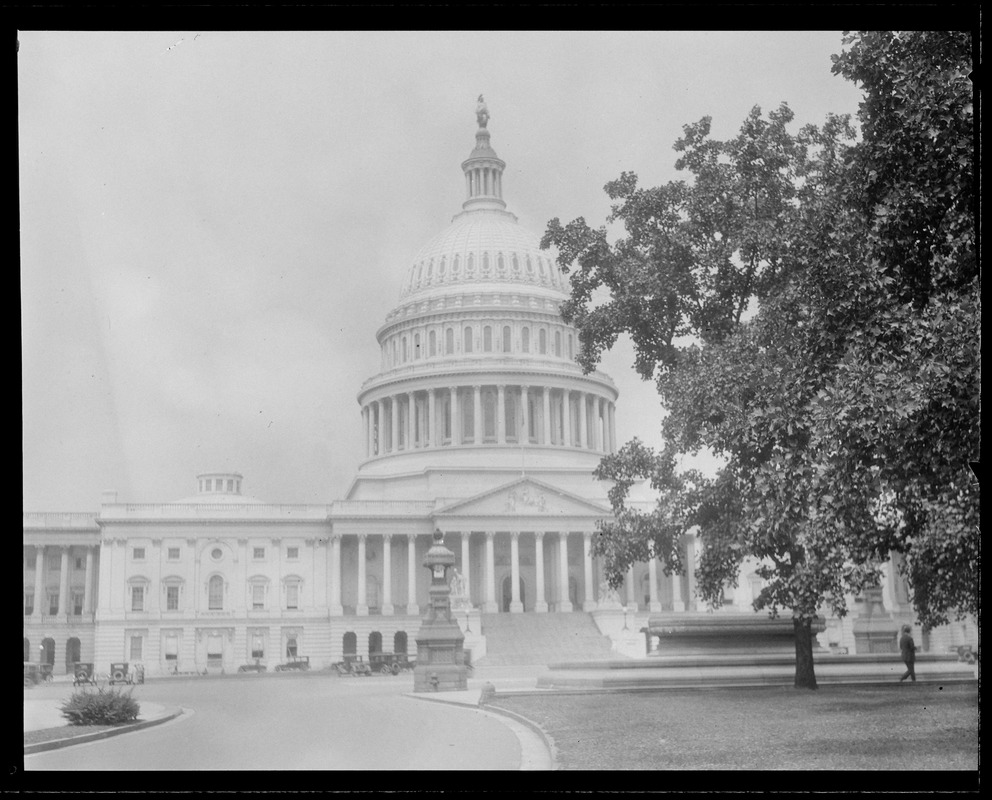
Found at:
<point>440,663</point>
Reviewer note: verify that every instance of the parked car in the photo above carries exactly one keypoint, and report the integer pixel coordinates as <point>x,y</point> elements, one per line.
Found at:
<point>82,672</point>
<point>389,663</point>
<point>256,667</point>
<point>301,663</point>
<point>119,674</point>
<point>353,665</point>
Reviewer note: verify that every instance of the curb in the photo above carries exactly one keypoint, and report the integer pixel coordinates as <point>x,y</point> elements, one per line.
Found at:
<point>486,708</point>
<point>56,744</point>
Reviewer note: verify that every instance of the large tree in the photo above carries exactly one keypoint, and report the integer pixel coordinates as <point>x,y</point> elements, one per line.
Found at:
<point>808,307</point>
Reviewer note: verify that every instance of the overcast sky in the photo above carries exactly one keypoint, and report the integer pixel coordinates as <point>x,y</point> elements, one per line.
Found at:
<point>215,224</point>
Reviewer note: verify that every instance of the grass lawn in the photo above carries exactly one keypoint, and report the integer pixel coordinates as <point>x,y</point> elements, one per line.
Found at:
<point>900,727</point>
<point>64,732</point>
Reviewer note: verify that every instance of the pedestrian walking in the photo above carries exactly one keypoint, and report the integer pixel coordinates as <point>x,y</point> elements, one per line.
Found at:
<point>908,649</point>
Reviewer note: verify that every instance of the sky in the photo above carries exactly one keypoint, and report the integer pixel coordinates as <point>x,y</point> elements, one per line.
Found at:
<point>213,225</point>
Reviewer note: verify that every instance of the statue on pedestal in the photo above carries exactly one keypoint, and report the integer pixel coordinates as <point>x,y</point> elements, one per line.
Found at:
<point>459,598</point>
<point>482,113</point>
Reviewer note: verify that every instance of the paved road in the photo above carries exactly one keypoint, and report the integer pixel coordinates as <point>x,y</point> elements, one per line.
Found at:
<point>296,722</point>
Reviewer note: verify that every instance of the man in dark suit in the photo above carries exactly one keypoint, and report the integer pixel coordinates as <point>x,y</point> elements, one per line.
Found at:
<point>908,649</point>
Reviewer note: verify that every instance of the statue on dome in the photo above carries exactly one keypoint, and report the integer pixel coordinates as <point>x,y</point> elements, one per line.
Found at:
<point>482,112</point>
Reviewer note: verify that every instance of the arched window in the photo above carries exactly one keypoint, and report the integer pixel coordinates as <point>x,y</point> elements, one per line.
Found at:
<point>489,415</point>
<point>542,341</point>
<point>375,642</point>
<point>449,341</point>
<point>396,359</point>
<point>467,341</point>
<point>440,267</point>
<point>416,345</point>
<point>558,343</point>
<point>455,265</point>
<point>487,339</point>
<point>525,340</point>
<point>507,338</point>
<point>485,263</point>
<point>430,268</point>
<point>72,653</point>
<point>571,347</point>
<point>403,349</point>
<point>215,593</point>
<point>516,265</point>
<point>470,264</point>
<point>500,265</point>
<point>432,343</point>
<point>399,642</point>
<point>349,644</point>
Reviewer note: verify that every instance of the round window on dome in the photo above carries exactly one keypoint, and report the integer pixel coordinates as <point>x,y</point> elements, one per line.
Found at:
<point>216,554</point>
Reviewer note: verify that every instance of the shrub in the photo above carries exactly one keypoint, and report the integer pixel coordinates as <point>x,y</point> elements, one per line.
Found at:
<point>102,707</point>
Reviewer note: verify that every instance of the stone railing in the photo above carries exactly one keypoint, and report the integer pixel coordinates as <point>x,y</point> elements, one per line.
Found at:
<point>35,520</point>
<point>213,511</point>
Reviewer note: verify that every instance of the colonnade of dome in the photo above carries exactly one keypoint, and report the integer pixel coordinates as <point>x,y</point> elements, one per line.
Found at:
<point>476,353</point>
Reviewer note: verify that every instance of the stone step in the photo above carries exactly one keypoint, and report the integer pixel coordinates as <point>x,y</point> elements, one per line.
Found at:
<point>533,639</point>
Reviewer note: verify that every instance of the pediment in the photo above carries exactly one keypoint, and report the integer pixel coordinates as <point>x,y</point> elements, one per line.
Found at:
<point>524,497</point>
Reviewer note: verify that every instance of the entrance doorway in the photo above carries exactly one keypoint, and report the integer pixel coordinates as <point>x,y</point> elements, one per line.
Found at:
<point>508,593</point>
<point>71,654</point>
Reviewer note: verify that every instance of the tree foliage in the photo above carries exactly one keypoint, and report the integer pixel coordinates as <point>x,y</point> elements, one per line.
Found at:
<point>809,308</point>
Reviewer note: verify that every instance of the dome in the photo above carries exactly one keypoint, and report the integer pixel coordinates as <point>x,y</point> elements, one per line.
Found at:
<point>482,246</point>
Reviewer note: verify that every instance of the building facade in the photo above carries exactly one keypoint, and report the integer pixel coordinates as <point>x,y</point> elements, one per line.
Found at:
<point>479,423</point>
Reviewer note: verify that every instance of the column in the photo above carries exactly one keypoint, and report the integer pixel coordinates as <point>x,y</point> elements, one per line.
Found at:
<point>361,604</point>
<point>387,576</point>
<point>490,606</point>
<point>597,428</point>
<point>411,574</point>
<point>394,428</point>
<point>456,421</point>
<point>466,564</point>
<point>583,421</point>
<point>88,585</point>
<point>525,433</point>
<point>540,603</point>
<point>334,601</point>
<point>408,433</point>
<point>432,439</point>
<point>690,570</point>
<point>678,604</point>
<point>39,581</point>
<point>589,601</point>
<point>477,415</point>
<point>546,415</point>
<point>566,419</point>
<point>380,428</point>
<point>631,589</point>
<point>501,414</point>
<point>366,428</point>
<point>611,407</point>
<point>564,604</point>
<point>516,606</point>
<point>64,583</point>
<point>653,604</point>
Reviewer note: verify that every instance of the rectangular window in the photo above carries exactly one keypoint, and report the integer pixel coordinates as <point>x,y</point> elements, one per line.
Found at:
<point>173,553</point>
<point>293,596</point>
<point>292,552</point>
<point>257,646</point>
<point>136,648</point>
<point>171,650</point>
<point>215,594</point>
<point>79,563</point>
<point>215,651</point>
<point>291,647</point>
<point>137,598</point>
<point>258,552</point>
<point>171,598</point>
<point>139,554</point>
<point>28,604</point>
<point>77,603</point>
<point>53,603</point>
<point>258,595</point>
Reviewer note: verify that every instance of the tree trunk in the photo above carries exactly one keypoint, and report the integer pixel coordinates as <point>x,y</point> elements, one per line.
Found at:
<point>805,676</point>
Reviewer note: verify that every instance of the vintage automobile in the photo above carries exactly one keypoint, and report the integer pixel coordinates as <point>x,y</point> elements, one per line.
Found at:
<point>389,663</point>
<point>354,665</point>
<point>119,673</point>
<point>82,672</point>
<point>36,673</point>
<point>301,663</point>
<point>256,667</point>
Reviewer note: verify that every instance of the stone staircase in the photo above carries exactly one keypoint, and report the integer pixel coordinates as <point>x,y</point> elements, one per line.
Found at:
<point>538,639</point>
